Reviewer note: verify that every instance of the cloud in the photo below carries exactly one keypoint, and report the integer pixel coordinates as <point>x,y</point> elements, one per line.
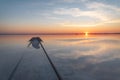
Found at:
<point>111,12</point>
<point>102,13</point>
<point>76,0</point>
<point>76,12</point>
<point>96,5</point>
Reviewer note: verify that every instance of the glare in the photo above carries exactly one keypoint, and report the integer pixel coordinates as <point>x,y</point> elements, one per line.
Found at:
<point>86,33</point>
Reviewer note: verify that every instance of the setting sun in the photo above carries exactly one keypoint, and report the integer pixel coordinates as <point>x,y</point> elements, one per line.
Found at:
<point>86,33</point>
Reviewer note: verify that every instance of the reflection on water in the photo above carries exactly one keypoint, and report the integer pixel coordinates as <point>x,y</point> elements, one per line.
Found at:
<point>77,57</point>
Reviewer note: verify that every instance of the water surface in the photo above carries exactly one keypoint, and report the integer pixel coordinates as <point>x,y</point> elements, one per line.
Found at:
<point>76,57</point>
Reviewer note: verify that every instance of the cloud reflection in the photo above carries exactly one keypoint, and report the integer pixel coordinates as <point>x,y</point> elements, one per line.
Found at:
<point>87,59</point>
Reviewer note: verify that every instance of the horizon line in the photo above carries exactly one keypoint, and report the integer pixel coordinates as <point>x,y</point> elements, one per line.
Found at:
<point>53,33</point>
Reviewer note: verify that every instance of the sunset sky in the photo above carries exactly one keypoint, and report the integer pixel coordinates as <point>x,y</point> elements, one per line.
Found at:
<point>59,16</point>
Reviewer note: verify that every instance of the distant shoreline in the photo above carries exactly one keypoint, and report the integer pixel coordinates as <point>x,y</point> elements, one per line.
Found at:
<point>55,33</point>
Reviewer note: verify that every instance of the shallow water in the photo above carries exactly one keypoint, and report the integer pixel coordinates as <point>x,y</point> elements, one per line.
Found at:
<point>76,57</point>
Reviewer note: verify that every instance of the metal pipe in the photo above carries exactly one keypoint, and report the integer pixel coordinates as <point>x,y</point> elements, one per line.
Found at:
<point>59,77</point>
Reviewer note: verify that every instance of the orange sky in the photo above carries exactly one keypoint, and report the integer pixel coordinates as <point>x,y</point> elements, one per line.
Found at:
<point>59,16</point>
<point>60,29</point>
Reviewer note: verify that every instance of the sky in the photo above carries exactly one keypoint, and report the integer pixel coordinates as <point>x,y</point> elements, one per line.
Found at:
<point>59,16</point>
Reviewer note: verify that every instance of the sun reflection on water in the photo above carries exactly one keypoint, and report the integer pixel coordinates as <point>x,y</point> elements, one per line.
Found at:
<point>86,33</point>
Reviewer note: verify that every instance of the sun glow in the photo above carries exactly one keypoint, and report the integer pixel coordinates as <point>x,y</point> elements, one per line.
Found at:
<point>86,33</point>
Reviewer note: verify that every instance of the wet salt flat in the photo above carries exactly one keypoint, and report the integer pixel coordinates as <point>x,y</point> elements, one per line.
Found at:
<point>76,57</point>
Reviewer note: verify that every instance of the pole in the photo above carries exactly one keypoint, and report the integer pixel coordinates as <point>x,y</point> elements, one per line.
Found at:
<point>14,70</point>
<point>59,77</point>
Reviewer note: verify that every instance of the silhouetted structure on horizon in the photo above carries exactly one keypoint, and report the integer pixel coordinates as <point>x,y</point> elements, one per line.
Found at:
<point>35,41</point>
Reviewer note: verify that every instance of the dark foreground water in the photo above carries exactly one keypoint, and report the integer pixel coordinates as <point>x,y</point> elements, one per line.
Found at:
<point>76,57</point>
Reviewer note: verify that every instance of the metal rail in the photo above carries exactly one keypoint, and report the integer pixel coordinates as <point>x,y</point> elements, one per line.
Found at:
<point>54,68</point>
